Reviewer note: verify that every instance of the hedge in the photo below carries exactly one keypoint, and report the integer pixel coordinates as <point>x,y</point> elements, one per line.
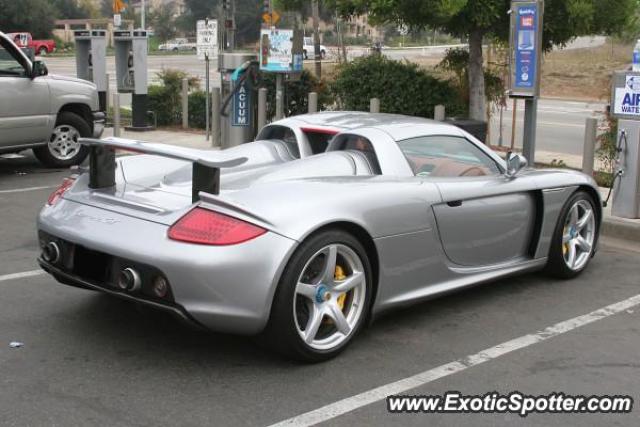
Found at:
<point>402,87</point>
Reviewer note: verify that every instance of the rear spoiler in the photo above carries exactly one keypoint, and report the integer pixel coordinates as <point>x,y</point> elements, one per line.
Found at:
<point>206,165</point>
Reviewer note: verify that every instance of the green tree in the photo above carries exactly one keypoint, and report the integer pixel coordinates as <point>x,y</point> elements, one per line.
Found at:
<point>248,17</point>
<point>70,9</point>
<point>162,21</point>
<point>479,20</point>
<point>34,16</point>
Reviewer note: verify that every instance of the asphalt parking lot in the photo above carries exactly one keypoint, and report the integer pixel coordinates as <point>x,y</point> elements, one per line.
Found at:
<point>89,359</point>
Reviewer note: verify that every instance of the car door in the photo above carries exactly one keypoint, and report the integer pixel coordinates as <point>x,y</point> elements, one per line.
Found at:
<point>25,103</point>
<point>484,218</point>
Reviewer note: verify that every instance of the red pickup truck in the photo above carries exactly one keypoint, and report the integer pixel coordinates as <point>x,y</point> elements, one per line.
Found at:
<point>40,47</point>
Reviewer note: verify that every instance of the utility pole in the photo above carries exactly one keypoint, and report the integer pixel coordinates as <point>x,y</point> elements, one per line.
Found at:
<point>142,14</point>
<point>315,12</point>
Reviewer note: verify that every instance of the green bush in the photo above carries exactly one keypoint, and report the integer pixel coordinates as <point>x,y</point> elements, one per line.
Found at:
<point>198,109</point>
<point>165,99</point>
<point>402,88</point>
<point>296,94</point>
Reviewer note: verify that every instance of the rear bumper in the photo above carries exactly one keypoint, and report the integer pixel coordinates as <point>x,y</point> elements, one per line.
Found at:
<point>69,279</point>
<point>225,288</point>
<point>99,120</point>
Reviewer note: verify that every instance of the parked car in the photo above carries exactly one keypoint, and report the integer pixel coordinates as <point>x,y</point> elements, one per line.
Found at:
<point>43,112</point>
<point>308,50</point>
<point>306,251</point>
<point>178,44</point>
<point>40,47</point>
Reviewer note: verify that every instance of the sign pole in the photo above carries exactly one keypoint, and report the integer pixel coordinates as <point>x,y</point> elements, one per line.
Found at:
<point>526,52</point>
<point>208,92</point>
<point>530,123</point>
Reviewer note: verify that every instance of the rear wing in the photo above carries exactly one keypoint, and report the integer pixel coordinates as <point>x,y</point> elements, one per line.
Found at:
<point>205,172</point>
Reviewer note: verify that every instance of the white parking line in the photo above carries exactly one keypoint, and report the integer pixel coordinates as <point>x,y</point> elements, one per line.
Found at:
<point>352,403</point>
<point>20,190</point>
<point>22,275</point>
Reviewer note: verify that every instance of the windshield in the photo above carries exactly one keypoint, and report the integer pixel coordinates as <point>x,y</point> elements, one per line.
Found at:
<point>9,65</point>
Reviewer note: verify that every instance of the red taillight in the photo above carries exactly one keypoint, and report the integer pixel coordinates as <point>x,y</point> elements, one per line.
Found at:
<point>207,227</point>
<point>58,192</point>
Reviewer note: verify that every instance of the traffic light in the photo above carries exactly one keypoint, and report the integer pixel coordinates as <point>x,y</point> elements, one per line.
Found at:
<point>266,6</point>
<point>226,4</point>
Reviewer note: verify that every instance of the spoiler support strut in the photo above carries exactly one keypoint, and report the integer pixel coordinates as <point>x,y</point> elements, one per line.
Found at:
<point>205,172</point>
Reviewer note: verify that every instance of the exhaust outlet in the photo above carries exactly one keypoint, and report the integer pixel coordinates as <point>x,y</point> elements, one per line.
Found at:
<point>129,280</point>
<point>51,253</point>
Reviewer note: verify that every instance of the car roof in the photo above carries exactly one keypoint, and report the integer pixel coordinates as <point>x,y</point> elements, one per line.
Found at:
<point>397,126</point>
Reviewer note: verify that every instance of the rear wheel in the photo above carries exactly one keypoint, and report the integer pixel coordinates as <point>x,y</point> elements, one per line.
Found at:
<point>43,51</point>
<point>575,236</point>
<point>322,299</point>
<point>63,148</point>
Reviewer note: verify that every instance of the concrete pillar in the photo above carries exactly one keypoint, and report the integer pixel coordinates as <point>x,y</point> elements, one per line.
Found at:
<point>374,105</point>
<point>185,103</point>
<point>589,149</point>
<point>439,113</point>
<point>313,102</point>
<point>262,108</point>
<point>215,117</point>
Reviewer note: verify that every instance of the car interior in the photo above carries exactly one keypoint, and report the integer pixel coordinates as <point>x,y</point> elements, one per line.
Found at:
<point>360,146</point>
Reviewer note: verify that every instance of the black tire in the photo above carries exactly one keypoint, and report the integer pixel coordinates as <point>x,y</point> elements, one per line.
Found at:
<point>556,265</point>
<point>281,333</point>
<point>43,51</point>
<point>68,118</point>
<point>304,55</point>
<point>323,54</point>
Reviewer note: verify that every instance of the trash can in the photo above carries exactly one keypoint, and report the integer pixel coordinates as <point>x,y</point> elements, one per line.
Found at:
<point>477,128</point>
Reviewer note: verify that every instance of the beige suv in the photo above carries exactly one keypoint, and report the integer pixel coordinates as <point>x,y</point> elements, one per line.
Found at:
<point>44,112</point>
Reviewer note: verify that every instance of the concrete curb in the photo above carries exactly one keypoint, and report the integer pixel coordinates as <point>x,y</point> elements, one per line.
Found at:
<point>620,228</point>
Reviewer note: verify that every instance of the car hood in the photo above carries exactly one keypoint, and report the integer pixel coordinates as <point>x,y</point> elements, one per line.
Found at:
<point>72,80</point>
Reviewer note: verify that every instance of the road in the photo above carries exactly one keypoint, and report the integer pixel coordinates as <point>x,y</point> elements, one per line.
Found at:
<point>560,128</point>
<point>92,360</point>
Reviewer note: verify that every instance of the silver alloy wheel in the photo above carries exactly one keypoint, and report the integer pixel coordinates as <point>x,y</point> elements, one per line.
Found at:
<point>578,235</point>
<point>64,144</point>
<point>330,296</point>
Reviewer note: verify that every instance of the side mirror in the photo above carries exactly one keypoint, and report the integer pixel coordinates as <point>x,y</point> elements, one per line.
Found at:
<point>38,69</point>
<point>515,163</point>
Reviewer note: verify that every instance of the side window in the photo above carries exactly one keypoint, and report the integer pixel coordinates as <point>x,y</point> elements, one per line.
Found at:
<point>447,156</point>
<point>282,133</point>
<point>9,65</point>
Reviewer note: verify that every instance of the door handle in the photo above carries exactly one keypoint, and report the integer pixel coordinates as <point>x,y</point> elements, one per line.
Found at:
<point>455,203</point>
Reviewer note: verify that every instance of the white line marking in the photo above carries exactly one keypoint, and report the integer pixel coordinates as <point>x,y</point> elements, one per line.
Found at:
<point>21,275</point>
<point>352,403</point>
<point>20,190</point>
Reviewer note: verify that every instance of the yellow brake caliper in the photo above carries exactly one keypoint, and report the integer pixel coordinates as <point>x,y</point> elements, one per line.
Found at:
<point>339,275</point>
<point>565,246</point>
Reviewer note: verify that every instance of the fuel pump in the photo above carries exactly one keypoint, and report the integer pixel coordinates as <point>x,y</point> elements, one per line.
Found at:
<point>91,62</point>
<point>238,73</point>
<point>625,106</point>
<point>131,72</point>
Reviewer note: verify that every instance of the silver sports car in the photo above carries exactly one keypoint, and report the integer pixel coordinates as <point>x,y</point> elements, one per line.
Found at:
<point>305,250</point>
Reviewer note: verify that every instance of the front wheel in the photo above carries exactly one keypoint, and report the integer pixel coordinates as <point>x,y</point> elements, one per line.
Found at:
<point>575,237</point>
<point>322,299</point>
<point>63,148</point>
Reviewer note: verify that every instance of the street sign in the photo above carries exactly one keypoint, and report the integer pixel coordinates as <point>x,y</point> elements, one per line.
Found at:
<point>271,18</point>
<point>625,95</point>
<point>276,52</point>
<point>526,48</point>
<point>207,38</point>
